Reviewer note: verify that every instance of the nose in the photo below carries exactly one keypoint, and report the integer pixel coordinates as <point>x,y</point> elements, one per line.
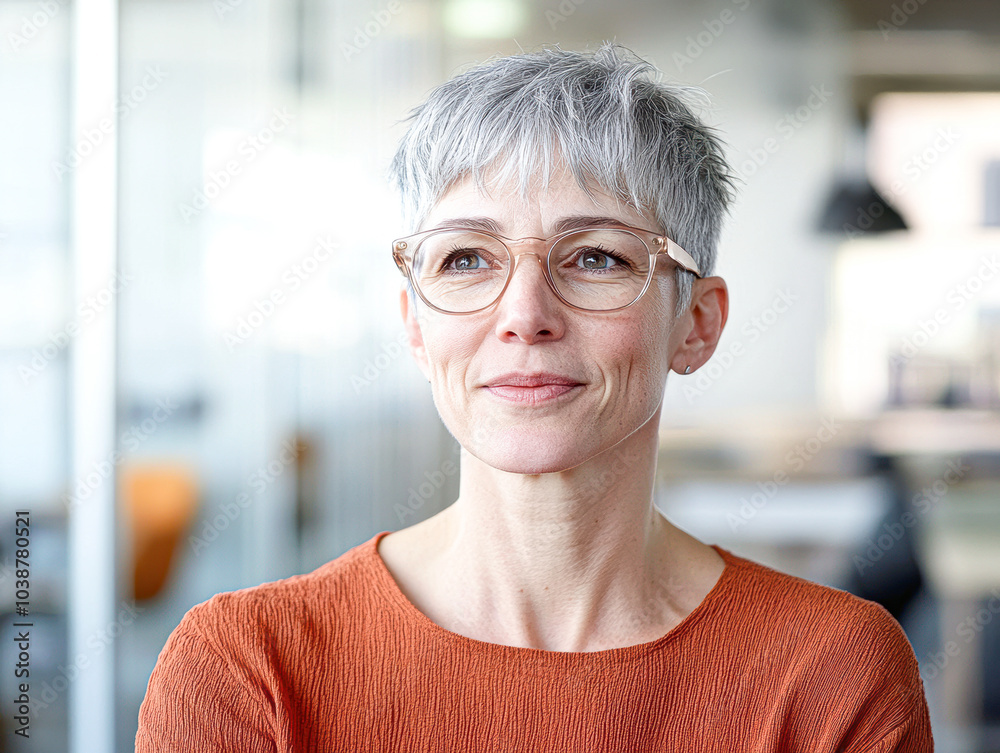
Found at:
<point>529,310</point>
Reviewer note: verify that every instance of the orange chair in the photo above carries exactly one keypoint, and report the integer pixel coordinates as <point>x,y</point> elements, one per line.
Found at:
<point>160,502</point>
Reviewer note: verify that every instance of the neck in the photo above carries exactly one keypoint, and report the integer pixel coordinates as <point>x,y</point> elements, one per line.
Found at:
<point>548,520</point>
<point>566,561</point>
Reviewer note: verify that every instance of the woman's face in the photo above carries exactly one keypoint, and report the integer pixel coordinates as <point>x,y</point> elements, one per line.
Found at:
<point>531,385</point>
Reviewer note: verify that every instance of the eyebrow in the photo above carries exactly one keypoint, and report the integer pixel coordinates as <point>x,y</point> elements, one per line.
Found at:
<point>472,223</point>
<point>579,222</point>
<point>576,222</point>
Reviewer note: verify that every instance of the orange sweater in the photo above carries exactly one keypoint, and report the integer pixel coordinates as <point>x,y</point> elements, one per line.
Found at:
<point>340,660</point>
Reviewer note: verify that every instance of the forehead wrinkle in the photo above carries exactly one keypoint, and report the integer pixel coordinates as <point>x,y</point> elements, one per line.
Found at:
<point>571,222</point>
<point>500,208</point>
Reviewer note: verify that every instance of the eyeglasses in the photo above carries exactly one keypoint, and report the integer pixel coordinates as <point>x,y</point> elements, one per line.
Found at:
<point>458,270</point>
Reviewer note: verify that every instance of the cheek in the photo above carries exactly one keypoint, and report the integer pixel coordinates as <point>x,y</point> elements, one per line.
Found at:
<point>635,359</point>
<point>651,349</point>
<point>450,346</point>
<point>648,359</point>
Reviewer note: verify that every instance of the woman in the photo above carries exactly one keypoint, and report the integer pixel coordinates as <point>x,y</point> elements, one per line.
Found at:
<point>566,210</point>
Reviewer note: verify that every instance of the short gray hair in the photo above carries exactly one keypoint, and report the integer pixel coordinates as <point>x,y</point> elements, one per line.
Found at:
<point>604,113</point>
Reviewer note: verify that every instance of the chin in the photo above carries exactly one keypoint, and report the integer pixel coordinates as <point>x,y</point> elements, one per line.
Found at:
<point>527,455</point>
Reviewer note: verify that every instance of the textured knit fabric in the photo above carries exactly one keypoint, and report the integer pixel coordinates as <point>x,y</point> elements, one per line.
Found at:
<point>340,660</point>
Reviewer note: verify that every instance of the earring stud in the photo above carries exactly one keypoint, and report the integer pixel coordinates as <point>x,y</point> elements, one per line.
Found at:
<point>687,369</point>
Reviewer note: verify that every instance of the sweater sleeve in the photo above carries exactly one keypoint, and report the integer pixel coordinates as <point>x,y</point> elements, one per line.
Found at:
<point>197,700</point>
<point>892,715</point>
<point>912,736</point>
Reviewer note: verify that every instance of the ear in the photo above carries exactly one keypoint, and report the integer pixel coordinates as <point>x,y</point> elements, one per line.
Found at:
<point>700,327</point>
<point>408,308</point>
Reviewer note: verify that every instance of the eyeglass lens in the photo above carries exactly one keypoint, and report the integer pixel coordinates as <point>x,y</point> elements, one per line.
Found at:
<point>596,269</point>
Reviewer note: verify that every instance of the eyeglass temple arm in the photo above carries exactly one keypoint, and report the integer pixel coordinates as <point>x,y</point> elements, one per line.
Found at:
<point>679,255</point>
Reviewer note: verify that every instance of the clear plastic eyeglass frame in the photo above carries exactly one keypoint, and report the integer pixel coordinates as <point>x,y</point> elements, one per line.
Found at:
<point>656,243</point>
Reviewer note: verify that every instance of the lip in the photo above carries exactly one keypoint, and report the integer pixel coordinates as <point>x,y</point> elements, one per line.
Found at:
<point>532,388</point>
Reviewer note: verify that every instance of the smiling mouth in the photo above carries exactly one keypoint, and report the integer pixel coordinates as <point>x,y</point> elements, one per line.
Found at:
<point>531,389</point>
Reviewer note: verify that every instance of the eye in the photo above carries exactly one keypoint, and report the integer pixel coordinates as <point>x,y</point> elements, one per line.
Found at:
<point>464,260</point>
<point>595,260</point>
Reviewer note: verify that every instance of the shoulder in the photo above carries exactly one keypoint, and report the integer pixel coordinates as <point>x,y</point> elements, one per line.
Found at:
<point>821,636</point>
<point>787,600</point>
<point>233,665</point>
<point>789,604</point>
<point>825,654</point>
<point>283,613</point>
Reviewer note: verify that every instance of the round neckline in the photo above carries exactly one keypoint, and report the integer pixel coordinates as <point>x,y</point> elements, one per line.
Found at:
<point>386,584</point>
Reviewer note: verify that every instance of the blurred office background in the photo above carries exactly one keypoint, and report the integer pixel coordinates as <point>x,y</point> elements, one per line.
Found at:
<point>203,383</point>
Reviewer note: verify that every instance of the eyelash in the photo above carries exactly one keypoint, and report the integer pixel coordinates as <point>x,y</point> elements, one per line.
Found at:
<point>460,251</point>
<point>456,253</point>
<point>604,252</point>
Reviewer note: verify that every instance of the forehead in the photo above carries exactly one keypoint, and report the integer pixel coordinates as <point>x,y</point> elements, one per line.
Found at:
<point>540,205</point>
